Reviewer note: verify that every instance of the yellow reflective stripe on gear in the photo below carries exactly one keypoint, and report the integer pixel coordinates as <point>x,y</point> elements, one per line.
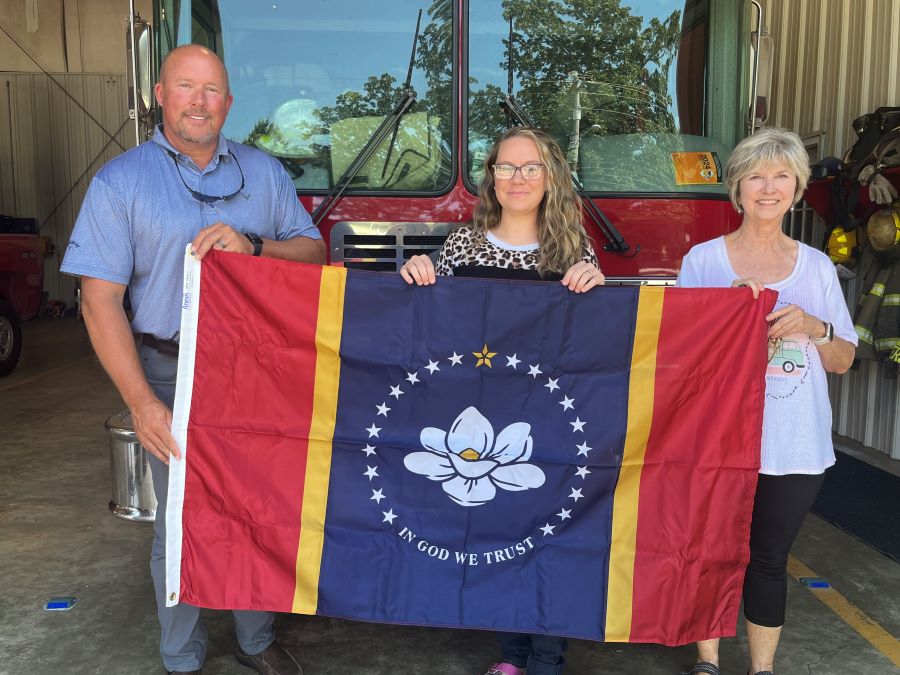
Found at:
<point>891,300</point>
<point>877,289</point>
<point>865,335</point>
<point>886,343</point>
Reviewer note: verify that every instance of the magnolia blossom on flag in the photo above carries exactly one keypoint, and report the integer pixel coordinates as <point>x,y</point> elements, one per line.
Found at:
<point>470,464</point>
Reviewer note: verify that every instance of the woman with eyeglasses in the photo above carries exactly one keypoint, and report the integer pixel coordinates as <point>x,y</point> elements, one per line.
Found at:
<point>527,225</point>
<point>810,333</point>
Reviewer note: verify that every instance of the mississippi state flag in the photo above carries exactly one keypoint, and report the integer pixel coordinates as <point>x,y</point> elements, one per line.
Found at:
<point>475,454</point>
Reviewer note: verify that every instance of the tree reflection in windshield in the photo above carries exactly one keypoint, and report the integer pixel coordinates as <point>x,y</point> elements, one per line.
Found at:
<point>312,80</point>
<point>621,85</point>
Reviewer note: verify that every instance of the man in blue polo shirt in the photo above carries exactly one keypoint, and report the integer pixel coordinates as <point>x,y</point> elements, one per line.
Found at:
<point>188,184</point>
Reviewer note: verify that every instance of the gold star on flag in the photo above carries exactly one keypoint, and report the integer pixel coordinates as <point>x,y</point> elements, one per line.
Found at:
<point>484,357</point>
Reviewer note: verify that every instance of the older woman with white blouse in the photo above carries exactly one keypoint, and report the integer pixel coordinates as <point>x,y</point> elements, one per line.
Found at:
<point>810,333</point>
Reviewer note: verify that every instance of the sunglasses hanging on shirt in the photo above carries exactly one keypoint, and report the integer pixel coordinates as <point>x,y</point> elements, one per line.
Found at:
<point>199,196</point>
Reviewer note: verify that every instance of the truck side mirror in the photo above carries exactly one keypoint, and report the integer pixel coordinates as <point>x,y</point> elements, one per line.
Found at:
<point>762,58</point>
<point>139,43</point>
<point>764,48</point>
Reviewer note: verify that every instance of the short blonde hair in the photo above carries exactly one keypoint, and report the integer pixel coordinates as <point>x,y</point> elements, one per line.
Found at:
<point>767,146</point>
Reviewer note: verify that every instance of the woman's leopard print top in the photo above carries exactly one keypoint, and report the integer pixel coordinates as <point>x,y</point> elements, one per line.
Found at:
<point>464,247</point>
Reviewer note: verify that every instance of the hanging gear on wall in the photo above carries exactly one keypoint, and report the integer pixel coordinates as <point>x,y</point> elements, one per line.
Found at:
<point>887,322</point>
<point>877,147</point>
<point>876,132</point>
<point>840,243</point>
<point>881,191</point>
<point>842,247</point>
<point>867,312</point>
<point>883,233</point>
<point>877,319</point>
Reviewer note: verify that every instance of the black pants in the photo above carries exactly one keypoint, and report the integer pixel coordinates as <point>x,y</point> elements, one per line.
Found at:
<point>538,654</point>
<point>779,508</point>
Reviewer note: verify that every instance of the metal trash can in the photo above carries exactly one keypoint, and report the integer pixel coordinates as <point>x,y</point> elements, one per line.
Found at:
<point>132,483</point>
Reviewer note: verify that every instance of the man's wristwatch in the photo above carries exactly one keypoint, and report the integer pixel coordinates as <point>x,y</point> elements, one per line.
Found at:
<point>256,240</point>
<point>828,337</point>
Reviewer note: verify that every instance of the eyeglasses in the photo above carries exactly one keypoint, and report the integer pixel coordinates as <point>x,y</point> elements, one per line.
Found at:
<point>528,171</point>
<point>209,199</point>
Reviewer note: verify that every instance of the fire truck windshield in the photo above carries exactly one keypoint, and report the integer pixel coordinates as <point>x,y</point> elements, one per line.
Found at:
<point>629,89</point>
<point>313,80</point>
<point>646,96</point>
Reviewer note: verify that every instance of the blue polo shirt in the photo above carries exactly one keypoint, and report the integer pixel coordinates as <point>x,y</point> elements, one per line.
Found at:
<point>138,217</point>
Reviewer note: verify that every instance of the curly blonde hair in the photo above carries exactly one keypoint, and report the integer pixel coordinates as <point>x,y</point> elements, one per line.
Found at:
<point>561,234</point>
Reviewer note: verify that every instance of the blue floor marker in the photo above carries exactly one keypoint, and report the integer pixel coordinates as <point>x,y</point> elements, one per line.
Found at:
<point>61,604</point>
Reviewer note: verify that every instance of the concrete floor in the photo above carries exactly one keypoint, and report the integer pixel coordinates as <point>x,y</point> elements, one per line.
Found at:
<point>58,538</point>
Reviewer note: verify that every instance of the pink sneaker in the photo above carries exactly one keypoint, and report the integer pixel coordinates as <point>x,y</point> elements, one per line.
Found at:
<point>505,669</point>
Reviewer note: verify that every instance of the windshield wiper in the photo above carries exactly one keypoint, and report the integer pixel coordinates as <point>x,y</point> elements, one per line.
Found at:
<point>389,124</point>
<point>407,87</point>
<point>616,242</point>
<point>514,112</point>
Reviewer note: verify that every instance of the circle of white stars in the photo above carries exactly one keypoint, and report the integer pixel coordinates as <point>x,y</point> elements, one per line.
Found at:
<point>488,359</point>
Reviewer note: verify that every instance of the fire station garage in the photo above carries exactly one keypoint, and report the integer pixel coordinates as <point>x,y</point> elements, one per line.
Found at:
<point>380,118</point>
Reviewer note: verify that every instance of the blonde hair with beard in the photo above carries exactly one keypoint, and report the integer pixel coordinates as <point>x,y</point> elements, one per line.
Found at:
<point>561,234</point>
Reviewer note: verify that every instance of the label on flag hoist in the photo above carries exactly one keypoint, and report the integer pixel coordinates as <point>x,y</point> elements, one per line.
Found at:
<point>696,168</point>
<point>475,453</point>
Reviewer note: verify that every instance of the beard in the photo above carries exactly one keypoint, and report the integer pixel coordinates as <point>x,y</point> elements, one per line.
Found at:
<point>194,136</point>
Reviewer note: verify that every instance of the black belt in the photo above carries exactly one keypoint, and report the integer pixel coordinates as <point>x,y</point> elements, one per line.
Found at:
<point>165,347</point>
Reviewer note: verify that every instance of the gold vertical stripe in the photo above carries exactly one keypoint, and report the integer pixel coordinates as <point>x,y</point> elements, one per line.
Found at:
<point>321,434</point>
<point>625,500</point>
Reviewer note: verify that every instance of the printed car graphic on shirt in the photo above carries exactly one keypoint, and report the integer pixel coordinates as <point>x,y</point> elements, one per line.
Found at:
<point>788,355</point>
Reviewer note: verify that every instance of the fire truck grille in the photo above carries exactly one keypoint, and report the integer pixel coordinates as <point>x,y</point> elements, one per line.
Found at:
<point>384,247</point>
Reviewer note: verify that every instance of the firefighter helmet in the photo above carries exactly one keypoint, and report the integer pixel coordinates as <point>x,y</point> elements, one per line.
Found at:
<point>842,246</point>
<point>883,228</point>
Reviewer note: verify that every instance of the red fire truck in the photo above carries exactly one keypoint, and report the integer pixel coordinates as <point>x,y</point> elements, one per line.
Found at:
<point>21,285</point>
<point>382,112</point>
